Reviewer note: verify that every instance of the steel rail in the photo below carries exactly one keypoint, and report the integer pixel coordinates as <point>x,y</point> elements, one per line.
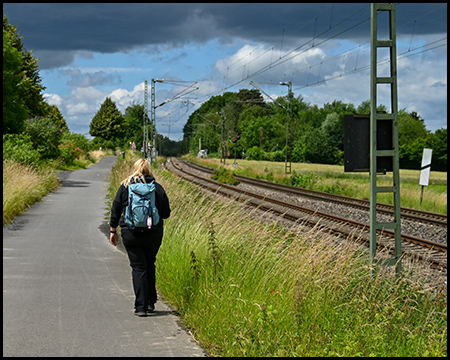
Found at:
<point>262,203</point>
<point>406,213</point>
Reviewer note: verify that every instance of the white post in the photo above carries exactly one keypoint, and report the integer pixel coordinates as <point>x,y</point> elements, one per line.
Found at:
<point>425,170</point>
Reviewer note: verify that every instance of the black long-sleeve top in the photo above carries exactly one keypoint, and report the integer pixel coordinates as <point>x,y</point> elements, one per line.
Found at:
<point>120,203</point>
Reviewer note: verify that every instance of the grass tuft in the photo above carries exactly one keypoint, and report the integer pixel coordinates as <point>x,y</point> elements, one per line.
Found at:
<point>247,287</point>
<point>23,185</point>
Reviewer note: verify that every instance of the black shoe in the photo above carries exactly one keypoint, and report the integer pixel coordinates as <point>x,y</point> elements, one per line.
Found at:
<point>140,313</point>
<point>151,308</point>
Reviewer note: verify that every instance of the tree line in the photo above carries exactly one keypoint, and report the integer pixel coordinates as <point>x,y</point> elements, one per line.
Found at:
<point>242,124</point>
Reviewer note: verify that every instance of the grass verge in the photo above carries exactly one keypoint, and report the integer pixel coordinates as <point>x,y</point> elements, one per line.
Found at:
<point>23,185</point>
<point>247,287</point>
<point>252,288</point>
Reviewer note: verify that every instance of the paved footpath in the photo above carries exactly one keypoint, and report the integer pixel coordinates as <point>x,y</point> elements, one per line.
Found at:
<point>68,292</point>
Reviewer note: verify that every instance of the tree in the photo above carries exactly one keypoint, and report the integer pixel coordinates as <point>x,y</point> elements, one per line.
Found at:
<point>333,131</point>
<point>410,127</point>
<point>263,132</point>
<point>29,73</point>
<point>134,120</point>
<point>108,123</point>
<point>364,108</point>
<point>14,109</point>
<point>438,142</point>
<point>52,112</point>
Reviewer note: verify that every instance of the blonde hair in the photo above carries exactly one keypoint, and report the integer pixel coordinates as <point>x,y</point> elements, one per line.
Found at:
<point>140,167</point>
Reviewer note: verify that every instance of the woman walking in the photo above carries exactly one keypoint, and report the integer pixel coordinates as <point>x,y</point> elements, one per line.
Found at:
<point>141,247</point>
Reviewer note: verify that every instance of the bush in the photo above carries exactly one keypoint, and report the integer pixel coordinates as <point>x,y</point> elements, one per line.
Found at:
<point>72,147</point>
<point>279,155</point>
<point>45,136</point>
<point>306,180</point>
<point>254,153</point>
<point>78,140</point>
<point>19,148</point>
<point>225,176</point>
<point>69,152</point>
<point>99,142</point>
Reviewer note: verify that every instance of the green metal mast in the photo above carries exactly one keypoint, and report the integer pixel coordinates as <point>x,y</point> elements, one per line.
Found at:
<point>145,140</point>
<point>288,161</point>
<point>153,121</point>
<point>392,117</point>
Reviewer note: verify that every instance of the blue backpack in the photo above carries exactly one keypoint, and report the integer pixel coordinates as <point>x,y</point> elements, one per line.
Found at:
<point>141,213</point>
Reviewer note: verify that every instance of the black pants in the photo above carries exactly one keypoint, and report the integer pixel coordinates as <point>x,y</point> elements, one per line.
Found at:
<point>142,250</point>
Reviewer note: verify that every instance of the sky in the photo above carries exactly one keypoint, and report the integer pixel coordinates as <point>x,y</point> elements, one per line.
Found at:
<point>88,52</point>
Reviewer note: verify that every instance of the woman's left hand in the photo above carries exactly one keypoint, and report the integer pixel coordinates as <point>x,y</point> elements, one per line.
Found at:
<point>113,239</point>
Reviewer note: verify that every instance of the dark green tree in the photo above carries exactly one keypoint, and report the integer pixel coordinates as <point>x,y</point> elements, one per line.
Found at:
<point>52,112</point>
<point>31,94</point>
<point>410,127</point>
<point>108,123</point>
<point>438,142</point>
<point>134,120</point>
<point>14,109</point>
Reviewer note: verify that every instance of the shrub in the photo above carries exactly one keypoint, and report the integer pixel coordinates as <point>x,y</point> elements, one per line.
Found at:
<point>279,155</point>
<point>225,176</point>
<point>45,136</point>
<point>254,153</point>
<point>306,180</point>
<point>69,152</point>
<point>78,140</point>
<point>19,148</point>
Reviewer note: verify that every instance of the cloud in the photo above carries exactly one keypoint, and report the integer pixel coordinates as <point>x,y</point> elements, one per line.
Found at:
<point>58,32</point>
<point>124,98</point>
<point>52,59</point>
<point>83,79</point>
<point>54,99</point>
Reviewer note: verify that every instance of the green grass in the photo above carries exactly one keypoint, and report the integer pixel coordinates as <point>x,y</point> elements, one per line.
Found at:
<point>332,179</point>
<point>251,288</point>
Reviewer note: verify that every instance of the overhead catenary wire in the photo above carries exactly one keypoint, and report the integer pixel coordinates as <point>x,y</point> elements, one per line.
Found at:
<point>286,57</point>
<point>245,62</point>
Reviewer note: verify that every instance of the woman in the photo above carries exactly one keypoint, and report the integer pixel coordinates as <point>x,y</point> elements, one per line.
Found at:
<point>141,247</point>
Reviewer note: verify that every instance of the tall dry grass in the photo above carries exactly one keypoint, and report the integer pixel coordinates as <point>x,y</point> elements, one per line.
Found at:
<point>247,287</point>
<point>23,185</point>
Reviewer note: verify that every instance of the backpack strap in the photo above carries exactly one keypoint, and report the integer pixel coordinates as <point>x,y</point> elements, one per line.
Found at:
<point>130,199</point>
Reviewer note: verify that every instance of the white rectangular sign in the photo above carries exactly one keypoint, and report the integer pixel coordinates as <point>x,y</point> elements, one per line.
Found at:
<point>425,168</point>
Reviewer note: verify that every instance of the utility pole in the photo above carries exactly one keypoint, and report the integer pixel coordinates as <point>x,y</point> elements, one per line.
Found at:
<point>146,123</point>
<point>288,162</point>
<point>153,121</point>
<point>222,141</point>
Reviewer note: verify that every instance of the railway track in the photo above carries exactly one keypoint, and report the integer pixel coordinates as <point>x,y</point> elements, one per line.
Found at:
<point>360,204</point>
<point>433,252</point>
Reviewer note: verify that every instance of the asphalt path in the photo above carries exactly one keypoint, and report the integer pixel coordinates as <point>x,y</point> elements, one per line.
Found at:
<point>68,292</point>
